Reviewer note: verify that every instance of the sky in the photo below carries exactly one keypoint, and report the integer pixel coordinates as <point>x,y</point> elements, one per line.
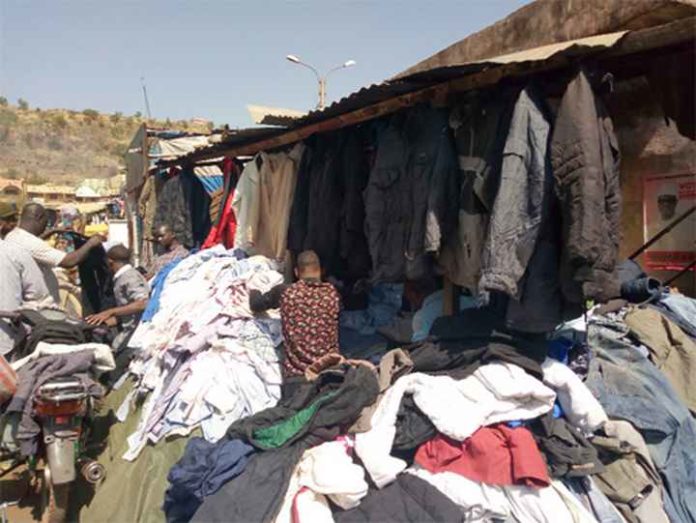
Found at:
<point>210,58</point>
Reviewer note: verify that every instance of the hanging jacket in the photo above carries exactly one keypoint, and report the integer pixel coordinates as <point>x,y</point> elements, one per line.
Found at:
<point>198,206</point>
<point>480,124</point>
<point>328,213</point>
<point>262,202</point>
<point>96,278</point>
<point>585,159</point>
<point>520,257</point>
<point>173,210</point>
<point>405,213</point>
<point>355,170</point>
<point>316,209</point>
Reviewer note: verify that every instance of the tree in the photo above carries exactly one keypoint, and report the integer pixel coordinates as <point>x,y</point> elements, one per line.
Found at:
<point>138,115</point>
<point>90,115</point>
<point>116,117</point>
<point>3,101</point>
<point>23,104</point>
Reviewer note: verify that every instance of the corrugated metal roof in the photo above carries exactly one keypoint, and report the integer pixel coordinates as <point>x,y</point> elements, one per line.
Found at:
<point>369,96</point>
<point>261,114</point>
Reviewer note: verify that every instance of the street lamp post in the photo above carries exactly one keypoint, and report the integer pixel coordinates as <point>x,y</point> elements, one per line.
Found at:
<point>320,79</point>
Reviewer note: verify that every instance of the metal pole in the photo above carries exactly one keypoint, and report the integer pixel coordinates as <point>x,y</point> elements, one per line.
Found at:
<point>147,102</point>
<point>680,273</point>
<point>662,233</point>
<point>322,93</point>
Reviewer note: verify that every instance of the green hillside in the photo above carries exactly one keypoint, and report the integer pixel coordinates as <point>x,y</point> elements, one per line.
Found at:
<point>58,145</point>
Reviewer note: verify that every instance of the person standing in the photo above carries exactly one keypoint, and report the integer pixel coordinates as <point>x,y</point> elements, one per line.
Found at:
<point>173,249</point>
<point>28,236</point>
<point>21,280</point>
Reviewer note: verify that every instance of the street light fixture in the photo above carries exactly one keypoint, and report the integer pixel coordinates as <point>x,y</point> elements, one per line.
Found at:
<point>321,79</point>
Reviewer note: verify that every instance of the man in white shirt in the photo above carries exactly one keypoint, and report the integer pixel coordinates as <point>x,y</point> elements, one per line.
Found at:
<point>28,236</point>
<point>21,281</point>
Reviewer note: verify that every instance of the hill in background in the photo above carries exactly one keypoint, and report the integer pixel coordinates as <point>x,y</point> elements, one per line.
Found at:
<point>63,146</point>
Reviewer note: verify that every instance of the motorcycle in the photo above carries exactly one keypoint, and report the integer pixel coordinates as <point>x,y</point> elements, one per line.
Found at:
<point>64,409</point>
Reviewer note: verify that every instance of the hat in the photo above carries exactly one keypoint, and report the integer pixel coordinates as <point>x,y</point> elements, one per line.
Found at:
<point>7,210</point>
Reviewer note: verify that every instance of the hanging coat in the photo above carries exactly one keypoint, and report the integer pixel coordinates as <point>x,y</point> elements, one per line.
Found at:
<point>585,159</point>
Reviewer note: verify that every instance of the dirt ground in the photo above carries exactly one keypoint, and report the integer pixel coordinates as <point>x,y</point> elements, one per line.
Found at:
<point>16,486</point>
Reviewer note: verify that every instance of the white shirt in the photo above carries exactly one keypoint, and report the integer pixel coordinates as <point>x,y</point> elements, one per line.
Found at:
<point>122,270</point>
<point>21,281</point>
<point>44,255</point>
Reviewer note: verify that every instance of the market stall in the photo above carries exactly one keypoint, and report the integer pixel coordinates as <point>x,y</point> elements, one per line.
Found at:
<point>555,387</point>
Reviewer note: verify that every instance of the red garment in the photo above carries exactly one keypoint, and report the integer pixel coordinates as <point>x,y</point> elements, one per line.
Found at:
<point>309,315</point>
<point>224,231</point>
<point>497,455</point>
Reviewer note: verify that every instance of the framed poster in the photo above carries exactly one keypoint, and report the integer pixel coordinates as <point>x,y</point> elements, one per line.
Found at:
<point>666,198</point>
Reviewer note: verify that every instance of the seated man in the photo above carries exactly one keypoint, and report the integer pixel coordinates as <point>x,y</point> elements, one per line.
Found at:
<point>173,249</point>
<point>309,312</point>
<point>131,292</point>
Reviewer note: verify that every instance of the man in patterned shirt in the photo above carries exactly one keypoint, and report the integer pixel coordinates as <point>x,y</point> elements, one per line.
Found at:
<point>309,312</point>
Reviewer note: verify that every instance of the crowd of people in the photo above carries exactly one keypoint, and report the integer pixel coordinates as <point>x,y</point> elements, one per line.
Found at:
<point>32,271</point>
<point>28,266</point>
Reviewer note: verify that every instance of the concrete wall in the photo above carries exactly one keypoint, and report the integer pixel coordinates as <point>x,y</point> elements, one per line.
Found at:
<point>649,147</point>
<point>549,21</point>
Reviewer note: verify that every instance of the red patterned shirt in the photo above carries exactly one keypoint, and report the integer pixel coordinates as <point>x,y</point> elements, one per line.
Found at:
<point>309,312</point>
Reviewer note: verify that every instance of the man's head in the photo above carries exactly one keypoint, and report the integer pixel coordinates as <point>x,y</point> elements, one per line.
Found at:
<point>166,237</point>
<point>117,257</point>
<point>667,199</point>
<point>308,266</point>
<point>8,218</point>
<point>34,218</point>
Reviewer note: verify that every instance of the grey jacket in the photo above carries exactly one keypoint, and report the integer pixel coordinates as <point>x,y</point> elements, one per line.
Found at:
<point>520,257</point>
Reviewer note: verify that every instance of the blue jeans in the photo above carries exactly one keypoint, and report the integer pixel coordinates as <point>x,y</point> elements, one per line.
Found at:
<point>630,387</point>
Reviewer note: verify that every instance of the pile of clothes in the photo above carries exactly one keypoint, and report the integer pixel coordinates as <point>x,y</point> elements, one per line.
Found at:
<point>476,423</point>
<point>202,359</point>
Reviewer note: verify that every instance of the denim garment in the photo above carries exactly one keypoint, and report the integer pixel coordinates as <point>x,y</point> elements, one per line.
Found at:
<point>384,302</point>
<point>631,388</point>
<point>201,471</point>
<point>683,308</point>
<point>407,206</point>
<point>431,310</point>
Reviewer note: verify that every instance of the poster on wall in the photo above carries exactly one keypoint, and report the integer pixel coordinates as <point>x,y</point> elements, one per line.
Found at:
<point>666,198</point>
